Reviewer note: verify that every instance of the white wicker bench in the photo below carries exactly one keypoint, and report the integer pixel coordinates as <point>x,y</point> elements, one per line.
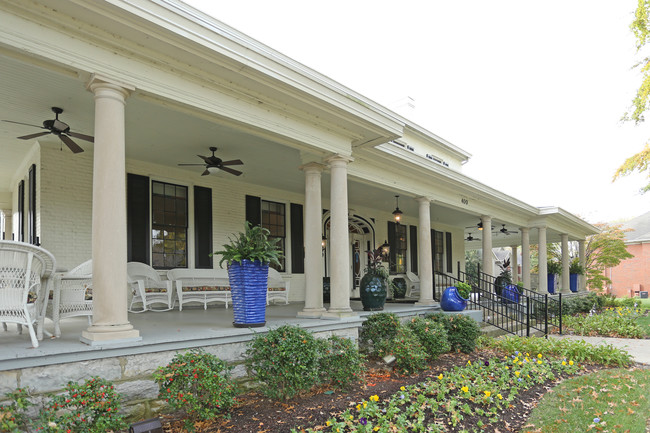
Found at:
<point>277,287</point>
<point>200,286</point>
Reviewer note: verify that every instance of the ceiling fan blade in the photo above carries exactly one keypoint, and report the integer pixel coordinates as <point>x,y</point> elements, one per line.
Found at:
<point>82,136</point>
<point>206,172</point>
<point>74,147</point>
<point>30,136</point>
<point>191,164</point>
<point>230,170</point>
<point>232,162</point>
<point>21,123</point>
<point>205,158</point>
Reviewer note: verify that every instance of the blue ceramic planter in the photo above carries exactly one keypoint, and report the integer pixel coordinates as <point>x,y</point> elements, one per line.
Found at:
<point>573,282</point>
<point>551,283</point>
<point>248,284</point>
<point>510,294</point>
<point>452,301</point>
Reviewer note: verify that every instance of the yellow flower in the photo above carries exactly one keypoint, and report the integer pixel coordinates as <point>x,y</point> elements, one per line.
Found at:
<point>358,407</point>
<point>376,428</point>
<point>507,368</point>
<point>374,397</point>
<point>521,363</point>
<point>328,423</point>
<point>469,362</point>
<point>465,389</point>
<point>338,429</point>
<point>517,373</point>
<point>402,388</point>
<point>570,362</point>
<point>351,417</point>
<point>365,405</point>
<point>539,361</point>
<point>563,362</point>
<point>487,393</point>
<point>516,360</point>
<point>440,376</point>
<point>499,396</point>
<point>539,355</point>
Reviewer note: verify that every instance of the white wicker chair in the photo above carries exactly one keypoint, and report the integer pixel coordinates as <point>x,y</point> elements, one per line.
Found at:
<point>73,295</point>
<point>25,281</point>
<point>414,285</point>
<point>148,288</point>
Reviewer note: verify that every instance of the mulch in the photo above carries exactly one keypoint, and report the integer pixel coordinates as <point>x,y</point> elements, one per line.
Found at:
<point>255,413</point>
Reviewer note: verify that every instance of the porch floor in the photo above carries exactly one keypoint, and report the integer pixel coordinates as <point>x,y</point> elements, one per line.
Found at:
<point>169,330</point>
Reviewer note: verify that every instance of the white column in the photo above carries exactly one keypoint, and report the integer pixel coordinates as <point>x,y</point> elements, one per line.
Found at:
<point>582,257</point>
<point>313,237</point>
<point>487,265</point>
<point>110,319</point>
<point>339,239</point>
<point>424,252</point>
<point>514,264</point>
<point>525,257</point>
<point>566,262</point>
<point>541,248</point>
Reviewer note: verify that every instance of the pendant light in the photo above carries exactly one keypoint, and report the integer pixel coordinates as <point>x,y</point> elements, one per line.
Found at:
<point>397,214</point>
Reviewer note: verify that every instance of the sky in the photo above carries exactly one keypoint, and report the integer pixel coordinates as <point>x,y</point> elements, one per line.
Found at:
<point>535,91</point>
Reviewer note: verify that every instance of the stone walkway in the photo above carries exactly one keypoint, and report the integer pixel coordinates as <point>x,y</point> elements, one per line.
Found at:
<point>638,348</point>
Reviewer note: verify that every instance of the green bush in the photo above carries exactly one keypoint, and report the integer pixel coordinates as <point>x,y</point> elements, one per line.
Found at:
<point>432,336</point>
<point>341,363</point>
<point>285,360</point>
<point>13,417</point>
<point>379,327</point>
<point>462,330</point>
<point>90,407</point>
<point>198,383</point>
<point>410,355</point>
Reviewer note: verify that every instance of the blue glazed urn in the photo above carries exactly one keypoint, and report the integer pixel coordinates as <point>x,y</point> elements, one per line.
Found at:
<point>452,301</point>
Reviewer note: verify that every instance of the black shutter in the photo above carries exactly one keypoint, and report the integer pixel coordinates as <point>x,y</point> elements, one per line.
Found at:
<point>20,228</point>
<point>138,229</point>
<point>433,252</point>
<point>297,240</point>
<point>448,252</point>
<point>392,241</point>
<point>31,206</point>
<point>254,210</point>
<point>203,227</point>
<point>413,235</point>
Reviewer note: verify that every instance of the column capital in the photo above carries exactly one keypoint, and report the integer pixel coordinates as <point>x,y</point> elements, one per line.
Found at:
<point>339,160</point>
<point>422,199</point>
<point>486,218</point>
<point>564,236</point>
<point>98,83</point>
<point>312,167</point>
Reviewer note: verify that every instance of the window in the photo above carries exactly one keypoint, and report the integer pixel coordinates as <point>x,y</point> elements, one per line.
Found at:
<point>273,219</point>
<point>169,225</point>
<point>438,251</point>
<point>397,242</point>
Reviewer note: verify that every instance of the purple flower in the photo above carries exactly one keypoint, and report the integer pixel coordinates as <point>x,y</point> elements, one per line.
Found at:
<point>363,421</point>
<point>519,380</point>
<point>487,363</point>
<point>596,420</point>
<point>401,396</point>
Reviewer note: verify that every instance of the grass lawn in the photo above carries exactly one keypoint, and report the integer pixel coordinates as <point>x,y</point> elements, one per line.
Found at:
<point>609,400</point>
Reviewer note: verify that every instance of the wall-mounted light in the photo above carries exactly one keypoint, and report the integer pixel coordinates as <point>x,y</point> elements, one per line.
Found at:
<point>385,249</point>
<point>397,214</point>
<point>323,242</point>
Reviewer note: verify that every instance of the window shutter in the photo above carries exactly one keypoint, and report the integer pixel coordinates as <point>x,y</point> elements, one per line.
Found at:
<point>448,252</point>
<point>254,210</point>
<point>413,235</point>
<point>20,227</point>
<point>433,251</point>
<point>31,206</point>
<point>203,227</point>
<point>392,241</point>
<point>297,240</point>
<point>137,216</point>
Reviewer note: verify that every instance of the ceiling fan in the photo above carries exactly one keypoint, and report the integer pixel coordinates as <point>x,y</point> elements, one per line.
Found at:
<point>479,226</point>
<point>213,164</point>
<point>471,238</point>
<point>506,231</point>
<point>58,128</point>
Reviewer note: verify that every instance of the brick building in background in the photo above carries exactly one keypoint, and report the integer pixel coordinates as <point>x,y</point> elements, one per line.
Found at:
<point>632,276</point>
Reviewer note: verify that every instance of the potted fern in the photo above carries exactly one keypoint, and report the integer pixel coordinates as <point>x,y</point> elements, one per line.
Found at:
<point>553,270</point>
<point>248,256</point>
<point>574,270</point>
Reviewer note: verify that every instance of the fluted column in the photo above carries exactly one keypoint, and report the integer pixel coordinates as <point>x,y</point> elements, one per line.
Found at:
<point>339,239</point>
<point>566,263</point>
<point>582,257</point>
<point>109,247</point>
<point>487,264</point>
<point>541,248</point>
<point>424,252</point>
<point>313,249</point>
<point>514,264</point>
<point>525,257</point>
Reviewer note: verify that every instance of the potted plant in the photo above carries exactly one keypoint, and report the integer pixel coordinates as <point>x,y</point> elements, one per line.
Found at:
<point>504,278</point>
<point>553,269</point>
<point>574,270</point>
<point>374,284</point>
<point>455,298</point>
<point>248,256</point>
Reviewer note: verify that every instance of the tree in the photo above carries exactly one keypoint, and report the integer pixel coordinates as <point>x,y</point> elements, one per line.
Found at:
<point>641,102</point>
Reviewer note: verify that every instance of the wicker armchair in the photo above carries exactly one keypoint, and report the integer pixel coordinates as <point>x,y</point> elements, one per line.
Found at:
<point>148,288</point>
<point>25,281</point>
<point>73,295</point>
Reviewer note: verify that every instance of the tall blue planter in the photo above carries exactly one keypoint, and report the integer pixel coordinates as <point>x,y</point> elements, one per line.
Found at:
<point>452,301</point>
<point>248,284</point>
<point>573,282</point>
<point>510,294</point>
<point>551,283</point>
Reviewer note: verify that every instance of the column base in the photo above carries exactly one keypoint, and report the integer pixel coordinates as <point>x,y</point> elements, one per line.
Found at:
<point>426,303</point>
<point>102,335</point>
<point>339,314</point>
<point>311,313</point>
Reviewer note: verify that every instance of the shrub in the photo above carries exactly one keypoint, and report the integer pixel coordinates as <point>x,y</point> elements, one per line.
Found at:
<point>410,355</point>
<point>285,360</point>
<point>13,417</point>
<point>379,327</point>
<point>462,330</point>
<point>432,335</point>
<point>198,383</point>
<point>91,406</point>
<point>341,362</point>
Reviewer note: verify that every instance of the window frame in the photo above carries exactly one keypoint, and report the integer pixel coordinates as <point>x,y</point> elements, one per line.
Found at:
<point>283,238</point>
<point>176,227</point>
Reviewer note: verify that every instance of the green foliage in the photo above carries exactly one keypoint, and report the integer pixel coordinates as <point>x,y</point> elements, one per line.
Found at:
<point>410,355</point>
<point>341,363</point>
<point>575,268</point>
<point>379,327</point>
<point>285,360</point>
<point>90,407</point>
<point>432,336</point>
<point>464,290</point>
<point>613,322</point>
<point>198,383</point>
<point>462,331</point>
<point>13,418</point>
<point>254,244</point>
<point>553,267</point>
<point>604,250</point>
<point>580,304</point>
